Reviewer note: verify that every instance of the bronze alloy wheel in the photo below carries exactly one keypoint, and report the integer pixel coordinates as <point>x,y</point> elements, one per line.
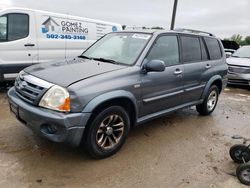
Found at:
<point>110,132</point>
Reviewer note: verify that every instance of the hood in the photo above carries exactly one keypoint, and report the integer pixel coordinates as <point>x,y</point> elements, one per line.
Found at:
<point>67,72</point>
<point>238,61</point>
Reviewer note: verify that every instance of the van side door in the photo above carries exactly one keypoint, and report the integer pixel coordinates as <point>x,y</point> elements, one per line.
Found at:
<point>80,32</point>
<point>18,46</point>
<point>162,90</point>
<point>50,36</point>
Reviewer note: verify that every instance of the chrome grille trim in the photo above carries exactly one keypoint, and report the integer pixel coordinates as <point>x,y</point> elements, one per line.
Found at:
<point>30,88</point>
<point>239,69</point>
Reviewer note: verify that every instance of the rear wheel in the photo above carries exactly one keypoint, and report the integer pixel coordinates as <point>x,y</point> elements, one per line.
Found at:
<point>107,132</point>
<point>210,101</point>
<point>238,152</point>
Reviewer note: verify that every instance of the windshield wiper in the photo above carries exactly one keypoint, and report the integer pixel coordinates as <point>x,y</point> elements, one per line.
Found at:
<point>234,56</point>
<point>106,60</point>
<point>85,57</point>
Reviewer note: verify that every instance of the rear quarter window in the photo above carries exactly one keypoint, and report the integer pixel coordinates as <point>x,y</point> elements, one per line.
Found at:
<point>214,48</point>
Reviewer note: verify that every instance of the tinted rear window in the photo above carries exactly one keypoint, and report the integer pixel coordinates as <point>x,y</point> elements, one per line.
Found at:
<point>191,50</point>
<point>213,48</point>
<point>203,51</point>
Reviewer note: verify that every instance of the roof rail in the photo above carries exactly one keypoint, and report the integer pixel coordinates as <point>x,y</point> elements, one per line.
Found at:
<point>193,31</point>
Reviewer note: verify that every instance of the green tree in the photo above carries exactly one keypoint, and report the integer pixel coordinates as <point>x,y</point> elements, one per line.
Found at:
<point>247,40</point>
<point>237,38</point>
<point>157,27</point>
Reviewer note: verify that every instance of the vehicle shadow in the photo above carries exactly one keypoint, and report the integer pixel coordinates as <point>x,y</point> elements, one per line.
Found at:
<point>239,87</point>
<point>5,86</point>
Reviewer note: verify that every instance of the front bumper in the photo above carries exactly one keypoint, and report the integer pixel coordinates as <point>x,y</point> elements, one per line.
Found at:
<point>238,79</point>
<point>67,127</point>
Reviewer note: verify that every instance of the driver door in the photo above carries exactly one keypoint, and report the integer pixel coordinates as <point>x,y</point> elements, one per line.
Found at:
<point>162,90</point>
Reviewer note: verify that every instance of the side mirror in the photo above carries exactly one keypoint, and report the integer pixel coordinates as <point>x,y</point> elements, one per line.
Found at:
<point>228,54</point>
<point>155,66</point>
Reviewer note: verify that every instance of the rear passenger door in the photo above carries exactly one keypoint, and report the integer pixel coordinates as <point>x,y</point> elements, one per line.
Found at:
<point>162,90</point>
<point>195,61</point>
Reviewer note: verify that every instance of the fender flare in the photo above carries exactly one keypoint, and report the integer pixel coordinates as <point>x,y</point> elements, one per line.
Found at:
<point>110,96</point>
<point>209,83</point>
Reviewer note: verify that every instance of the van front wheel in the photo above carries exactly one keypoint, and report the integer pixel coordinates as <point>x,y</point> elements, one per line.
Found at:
<point>210,101</point>
<point>107,132</point>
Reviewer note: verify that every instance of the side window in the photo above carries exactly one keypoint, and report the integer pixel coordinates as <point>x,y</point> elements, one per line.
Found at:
<point>191,50</point>
<point>165,49</point>
<point>18,26</point>
<point>3,28</point>
<point>213,48</point>
<point>14,26</point>
<point>204,54</point>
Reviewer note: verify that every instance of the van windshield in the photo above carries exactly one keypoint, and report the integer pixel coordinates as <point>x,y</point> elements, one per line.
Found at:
<point>122,48</point>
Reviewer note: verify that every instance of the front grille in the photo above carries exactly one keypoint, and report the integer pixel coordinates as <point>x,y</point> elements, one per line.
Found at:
<point>239,69</point>
<point>30,88</point>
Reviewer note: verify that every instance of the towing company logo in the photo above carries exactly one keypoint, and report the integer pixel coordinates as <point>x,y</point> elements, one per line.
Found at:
<point>50,25</point>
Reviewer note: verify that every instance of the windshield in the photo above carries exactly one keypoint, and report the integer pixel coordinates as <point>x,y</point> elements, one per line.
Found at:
<point>122,48</point>
<point>243,52</point>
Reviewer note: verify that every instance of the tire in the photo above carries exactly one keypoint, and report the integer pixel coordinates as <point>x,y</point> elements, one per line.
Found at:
<point>210,101</point>
<point>243,173</point>
<point>238,151</point>
<point>107,132</point>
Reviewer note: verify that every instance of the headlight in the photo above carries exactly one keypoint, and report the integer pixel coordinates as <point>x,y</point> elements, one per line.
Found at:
<point>56,98</point>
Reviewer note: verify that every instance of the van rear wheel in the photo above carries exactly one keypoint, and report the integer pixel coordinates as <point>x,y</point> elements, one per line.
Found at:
<point>107,132</point>
<point>210,101</point>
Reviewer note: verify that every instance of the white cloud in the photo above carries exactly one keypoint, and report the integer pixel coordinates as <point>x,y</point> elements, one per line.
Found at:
<point>221,17</point>
<point>5,4</point>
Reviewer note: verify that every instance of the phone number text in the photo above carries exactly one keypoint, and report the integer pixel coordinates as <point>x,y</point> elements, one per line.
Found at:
<point>73,37</point>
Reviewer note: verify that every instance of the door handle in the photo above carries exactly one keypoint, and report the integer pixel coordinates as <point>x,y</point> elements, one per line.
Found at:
<point>29,44</point>
<point>177,72</point>
<point>208,66</point>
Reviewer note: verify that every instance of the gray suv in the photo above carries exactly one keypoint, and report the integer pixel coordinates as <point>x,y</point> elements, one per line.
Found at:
<point>122,80</point>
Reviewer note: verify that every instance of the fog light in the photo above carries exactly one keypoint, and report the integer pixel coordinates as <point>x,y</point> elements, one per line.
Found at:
<point>49,129</point>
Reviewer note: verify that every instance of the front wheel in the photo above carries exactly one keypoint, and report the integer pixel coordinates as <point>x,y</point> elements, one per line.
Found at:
<point>210,101</point>
<point>243,173</point>
<point>107,132</point>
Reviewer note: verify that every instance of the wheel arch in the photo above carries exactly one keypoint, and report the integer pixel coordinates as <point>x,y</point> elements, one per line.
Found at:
<point>215,80</point>
<point>121,98</point>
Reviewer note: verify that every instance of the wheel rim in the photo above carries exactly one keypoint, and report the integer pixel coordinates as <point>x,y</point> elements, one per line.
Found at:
<point>110,132</point>
<point>246,174</point>
<point>212,99</point>
<point>239,154</point>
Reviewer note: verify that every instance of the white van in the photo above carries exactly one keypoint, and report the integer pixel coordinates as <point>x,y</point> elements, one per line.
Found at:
<point>32,36</point>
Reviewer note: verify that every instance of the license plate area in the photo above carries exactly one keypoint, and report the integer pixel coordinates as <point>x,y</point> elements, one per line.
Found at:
<point>14,109</point>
